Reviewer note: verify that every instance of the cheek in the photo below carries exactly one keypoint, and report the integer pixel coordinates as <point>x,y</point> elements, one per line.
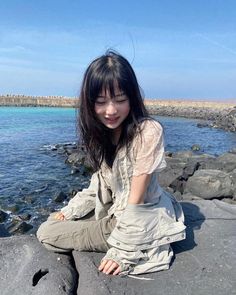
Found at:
<point>127,109</point>
<point>98,110</point>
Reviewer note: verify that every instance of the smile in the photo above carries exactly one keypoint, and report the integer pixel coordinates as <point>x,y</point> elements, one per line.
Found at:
<point>112,120</point>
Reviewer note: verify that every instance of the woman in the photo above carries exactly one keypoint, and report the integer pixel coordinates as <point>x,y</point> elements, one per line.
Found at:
<point>134,219</point>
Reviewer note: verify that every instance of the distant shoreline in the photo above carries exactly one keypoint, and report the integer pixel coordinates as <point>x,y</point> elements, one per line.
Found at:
<point>154,104</point>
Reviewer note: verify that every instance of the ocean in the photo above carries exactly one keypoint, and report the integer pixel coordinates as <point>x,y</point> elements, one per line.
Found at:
<point>31,173</point>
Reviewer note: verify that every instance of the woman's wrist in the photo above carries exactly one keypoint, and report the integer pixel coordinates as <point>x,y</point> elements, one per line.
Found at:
<point>133,201</point>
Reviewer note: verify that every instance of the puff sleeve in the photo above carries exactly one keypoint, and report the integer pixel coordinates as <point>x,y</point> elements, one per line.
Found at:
<point>149,154</point>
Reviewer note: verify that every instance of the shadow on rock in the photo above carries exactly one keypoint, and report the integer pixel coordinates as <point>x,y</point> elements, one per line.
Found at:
<point>193,221</point>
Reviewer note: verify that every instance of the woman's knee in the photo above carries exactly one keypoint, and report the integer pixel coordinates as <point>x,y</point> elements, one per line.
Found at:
<point>45,231</point>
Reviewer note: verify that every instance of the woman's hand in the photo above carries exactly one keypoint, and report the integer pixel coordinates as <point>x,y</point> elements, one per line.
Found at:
<point>109,266</point>
<point>59,216</point>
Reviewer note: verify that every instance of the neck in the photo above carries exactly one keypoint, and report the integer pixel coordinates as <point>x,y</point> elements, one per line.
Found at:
<point>116,135</point>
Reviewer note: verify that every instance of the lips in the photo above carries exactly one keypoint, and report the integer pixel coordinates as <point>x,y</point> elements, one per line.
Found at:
<point>112,120</point>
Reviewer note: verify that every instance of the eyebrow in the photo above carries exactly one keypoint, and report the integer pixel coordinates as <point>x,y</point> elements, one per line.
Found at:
<point>102,96</point>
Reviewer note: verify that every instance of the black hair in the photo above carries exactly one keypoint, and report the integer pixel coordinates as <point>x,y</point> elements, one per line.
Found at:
<point>107,72</point>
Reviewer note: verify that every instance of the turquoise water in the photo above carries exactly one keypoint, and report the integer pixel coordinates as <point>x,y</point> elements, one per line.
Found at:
<point>29,168</point>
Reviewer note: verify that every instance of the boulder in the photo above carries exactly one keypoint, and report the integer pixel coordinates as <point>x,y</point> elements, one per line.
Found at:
<point>60,197</point>
<point>3,231</point>
<point>209,184</point>
<point>28,268</point>
<point>227,161</point>
<point>19,227</point>
<point>195,147</point>
<point>169,175</point>
<point>3,215</point>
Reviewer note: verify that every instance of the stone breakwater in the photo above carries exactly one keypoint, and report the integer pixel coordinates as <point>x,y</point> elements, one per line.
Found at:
<point>189,176</point>
<point>37,101</point>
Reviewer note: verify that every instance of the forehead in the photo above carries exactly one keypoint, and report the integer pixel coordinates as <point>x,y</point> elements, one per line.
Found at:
<point>110,90</point>
<point>107,91</point>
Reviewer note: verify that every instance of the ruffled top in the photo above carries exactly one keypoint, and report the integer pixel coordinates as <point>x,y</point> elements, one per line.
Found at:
<point>145,156</point>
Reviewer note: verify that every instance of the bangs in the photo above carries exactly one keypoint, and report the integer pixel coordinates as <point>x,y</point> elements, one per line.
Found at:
<point>106,80</point>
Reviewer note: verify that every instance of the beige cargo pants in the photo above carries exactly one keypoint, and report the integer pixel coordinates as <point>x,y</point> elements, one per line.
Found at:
<point>82,235</point>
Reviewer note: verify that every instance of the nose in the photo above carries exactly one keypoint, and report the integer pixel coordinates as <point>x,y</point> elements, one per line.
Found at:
<point>111,108</point>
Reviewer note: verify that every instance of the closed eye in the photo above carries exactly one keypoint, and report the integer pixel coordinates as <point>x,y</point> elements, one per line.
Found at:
<point>121,100</point>
<point>100,102</point>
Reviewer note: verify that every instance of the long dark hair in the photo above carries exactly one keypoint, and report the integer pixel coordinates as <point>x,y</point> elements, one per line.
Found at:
<point>106,72</point>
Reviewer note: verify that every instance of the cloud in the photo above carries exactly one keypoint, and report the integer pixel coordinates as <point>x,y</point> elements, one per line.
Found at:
<point>213,42</point>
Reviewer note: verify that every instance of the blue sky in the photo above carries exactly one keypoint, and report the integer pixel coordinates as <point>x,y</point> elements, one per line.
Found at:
<point>183,49</point>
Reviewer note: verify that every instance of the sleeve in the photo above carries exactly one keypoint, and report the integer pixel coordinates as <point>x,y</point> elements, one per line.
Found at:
<point>128,235</point>
<point>149,154</point>
<point>127,260</point>
<point>83,202</point>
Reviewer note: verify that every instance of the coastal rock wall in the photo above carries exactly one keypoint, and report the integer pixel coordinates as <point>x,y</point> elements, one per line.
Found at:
<point>37,101</point>
<point>187,112</point>
<point>216,115</point>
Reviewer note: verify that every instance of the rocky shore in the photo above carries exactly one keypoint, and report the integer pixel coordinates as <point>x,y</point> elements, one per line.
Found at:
<point>214,115</point>
<point>190,175</point>
<point>204,262</point>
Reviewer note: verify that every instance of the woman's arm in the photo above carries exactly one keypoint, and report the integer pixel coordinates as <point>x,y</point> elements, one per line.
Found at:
<point>139,186</point>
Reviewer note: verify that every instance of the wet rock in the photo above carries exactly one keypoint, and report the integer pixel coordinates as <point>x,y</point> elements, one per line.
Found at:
<point>25,216</point>
<point>75,158</point>
<point>202,124</point>
<point>78,159</point>
<point>3,216</point>
<point>74,170</point>
<point>60,197</point>
<point>196,147</point>
<point>209,184</point>
<point>3,232</point>
<point>19,227</point>
<point>14,208</point>
<point>30,199</point>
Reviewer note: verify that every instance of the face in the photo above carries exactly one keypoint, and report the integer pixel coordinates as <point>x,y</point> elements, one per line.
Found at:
<point>112,111</point>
